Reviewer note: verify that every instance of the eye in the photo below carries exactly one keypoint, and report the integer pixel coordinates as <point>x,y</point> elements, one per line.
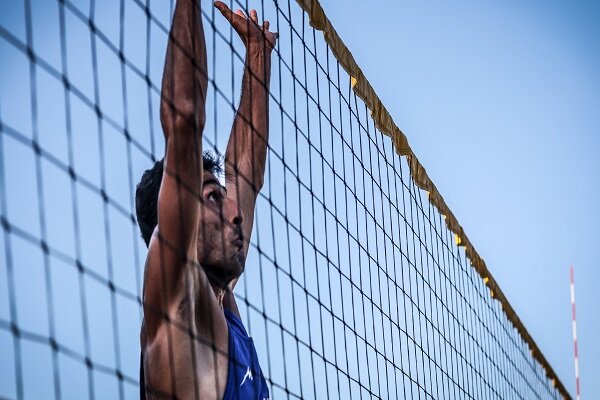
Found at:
<point>213,196</point>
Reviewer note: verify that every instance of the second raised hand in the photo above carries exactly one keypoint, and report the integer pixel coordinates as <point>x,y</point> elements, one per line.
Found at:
<point>250,30</point>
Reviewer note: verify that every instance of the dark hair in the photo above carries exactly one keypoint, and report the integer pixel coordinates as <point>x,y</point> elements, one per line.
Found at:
<point>146,192</point>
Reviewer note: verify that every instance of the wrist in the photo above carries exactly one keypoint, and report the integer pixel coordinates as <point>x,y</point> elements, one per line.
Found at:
<point>258,60</point>
<point>259,48</point>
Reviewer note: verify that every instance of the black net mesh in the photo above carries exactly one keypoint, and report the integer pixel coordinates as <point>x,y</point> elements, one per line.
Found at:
<point>354,288</point>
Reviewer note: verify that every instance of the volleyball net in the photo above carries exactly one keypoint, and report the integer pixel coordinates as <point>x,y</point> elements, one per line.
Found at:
<point>359,281</point>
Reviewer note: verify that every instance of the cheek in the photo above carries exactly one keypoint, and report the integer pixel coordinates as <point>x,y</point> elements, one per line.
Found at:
<point>210,234</point>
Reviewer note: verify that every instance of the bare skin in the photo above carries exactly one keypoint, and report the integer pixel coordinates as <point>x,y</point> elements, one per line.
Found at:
<point>198,250</point>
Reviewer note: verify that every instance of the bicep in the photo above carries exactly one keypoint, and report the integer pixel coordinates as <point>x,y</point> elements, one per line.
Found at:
<point>173,242</point>
<point>179,199</point>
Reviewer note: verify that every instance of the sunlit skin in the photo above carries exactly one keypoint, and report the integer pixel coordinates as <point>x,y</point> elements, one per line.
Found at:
<point>220,238</point>
<point>198,250</point>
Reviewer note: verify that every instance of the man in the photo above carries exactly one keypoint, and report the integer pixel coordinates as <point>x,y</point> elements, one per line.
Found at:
<point>194,345</point>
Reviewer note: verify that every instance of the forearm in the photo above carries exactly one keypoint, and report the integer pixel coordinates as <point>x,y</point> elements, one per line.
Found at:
<point>250,132</point>
<point>182,116</point>
<point>185,78</point>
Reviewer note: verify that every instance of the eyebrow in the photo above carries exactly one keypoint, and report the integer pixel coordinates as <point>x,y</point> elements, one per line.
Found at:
<point>213,181</point>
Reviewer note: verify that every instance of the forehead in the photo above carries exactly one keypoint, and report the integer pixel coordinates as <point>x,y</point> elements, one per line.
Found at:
<point>210,180</point>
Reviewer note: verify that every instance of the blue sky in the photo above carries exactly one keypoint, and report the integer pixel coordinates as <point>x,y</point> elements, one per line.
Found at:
<point>499,102</point>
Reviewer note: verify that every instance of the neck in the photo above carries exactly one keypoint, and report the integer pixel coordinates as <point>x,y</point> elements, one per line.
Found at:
<point>219,292</point>
<point>219,285</point>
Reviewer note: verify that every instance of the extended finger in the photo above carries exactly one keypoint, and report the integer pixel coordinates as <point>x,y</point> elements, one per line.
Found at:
<point>254,16</point>
<point>240,13</point>
<point>227,13</point>
<point>266,25</point>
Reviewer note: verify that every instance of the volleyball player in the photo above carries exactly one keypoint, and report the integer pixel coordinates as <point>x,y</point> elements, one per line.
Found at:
<point>194,345</point>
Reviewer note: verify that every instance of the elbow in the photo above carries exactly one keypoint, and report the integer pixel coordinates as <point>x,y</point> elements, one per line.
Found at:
<point>181,118</point>
<point>259,181</point>
<point>252,172</point>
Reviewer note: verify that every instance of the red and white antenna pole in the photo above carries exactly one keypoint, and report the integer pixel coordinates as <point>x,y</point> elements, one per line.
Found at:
<point>575,332</point>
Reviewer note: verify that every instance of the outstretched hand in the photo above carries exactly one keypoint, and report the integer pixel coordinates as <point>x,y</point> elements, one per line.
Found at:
<point>253,34</point>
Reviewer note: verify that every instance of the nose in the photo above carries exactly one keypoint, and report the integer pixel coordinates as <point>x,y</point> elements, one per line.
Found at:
<point>235,216</point>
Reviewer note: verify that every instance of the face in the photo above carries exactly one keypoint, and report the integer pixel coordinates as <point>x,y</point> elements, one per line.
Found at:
<point>220,242</point>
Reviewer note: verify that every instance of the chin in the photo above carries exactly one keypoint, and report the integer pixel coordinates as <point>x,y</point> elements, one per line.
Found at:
<point>224,271</point>
<point>238,265</point>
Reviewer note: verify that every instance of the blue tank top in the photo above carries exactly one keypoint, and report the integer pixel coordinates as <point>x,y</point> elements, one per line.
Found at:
<point>244,376</point>
<point>245,379</point>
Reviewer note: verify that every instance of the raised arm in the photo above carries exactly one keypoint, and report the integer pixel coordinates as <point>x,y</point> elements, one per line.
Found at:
<point>247,147</point>
<point>182,113</point>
